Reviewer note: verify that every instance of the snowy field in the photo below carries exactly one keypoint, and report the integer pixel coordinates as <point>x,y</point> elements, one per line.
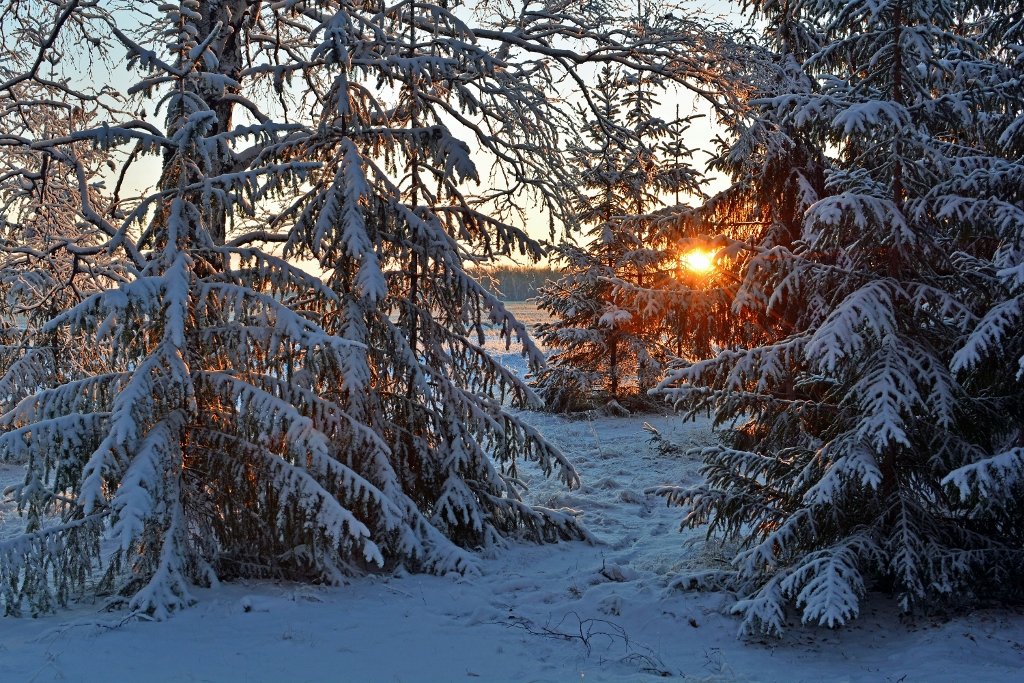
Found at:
<point>572,612</point>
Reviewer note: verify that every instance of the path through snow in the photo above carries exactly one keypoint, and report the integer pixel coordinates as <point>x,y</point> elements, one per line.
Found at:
<point>561,613</point>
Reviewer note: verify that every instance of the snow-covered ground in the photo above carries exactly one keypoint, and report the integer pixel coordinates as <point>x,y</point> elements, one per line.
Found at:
<point>559,613</point>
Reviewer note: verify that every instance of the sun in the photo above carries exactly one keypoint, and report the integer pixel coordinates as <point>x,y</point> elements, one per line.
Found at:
<point>698,261</point>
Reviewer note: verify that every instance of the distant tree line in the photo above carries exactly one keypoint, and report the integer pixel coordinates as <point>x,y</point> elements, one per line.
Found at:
<point>516,283</point>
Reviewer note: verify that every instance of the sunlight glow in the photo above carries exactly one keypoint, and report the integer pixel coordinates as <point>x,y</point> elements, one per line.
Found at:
<point>698,261</point>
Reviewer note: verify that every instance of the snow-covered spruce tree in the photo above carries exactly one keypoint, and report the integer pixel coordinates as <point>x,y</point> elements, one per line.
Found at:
<point>389,223</point>
<point>175,456</point>
<point>879,423</point>
<point>234,414</point>
<point>586,344</point>
<point>608,342</point>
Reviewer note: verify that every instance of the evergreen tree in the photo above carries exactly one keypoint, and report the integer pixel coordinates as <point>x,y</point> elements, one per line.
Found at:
<point>609,333</point>
<point>878,443</point>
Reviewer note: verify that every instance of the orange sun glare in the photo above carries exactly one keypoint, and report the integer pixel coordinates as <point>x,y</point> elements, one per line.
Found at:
<point>698,261</point>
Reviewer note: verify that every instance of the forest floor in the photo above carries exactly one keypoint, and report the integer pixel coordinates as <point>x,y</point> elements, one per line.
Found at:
<point>560,613</point>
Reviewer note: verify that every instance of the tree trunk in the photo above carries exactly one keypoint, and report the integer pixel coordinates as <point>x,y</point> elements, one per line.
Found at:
<point>227,17</point>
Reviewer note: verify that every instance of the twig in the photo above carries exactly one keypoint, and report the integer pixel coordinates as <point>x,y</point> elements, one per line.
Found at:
<point>584,632</point>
